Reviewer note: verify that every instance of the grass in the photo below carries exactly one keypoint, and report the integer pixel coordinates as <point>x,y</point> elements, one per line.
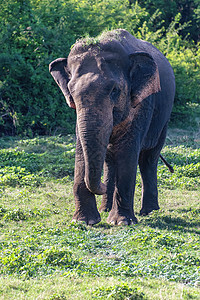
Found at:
<point>45,256</point>
<point>105,35</point>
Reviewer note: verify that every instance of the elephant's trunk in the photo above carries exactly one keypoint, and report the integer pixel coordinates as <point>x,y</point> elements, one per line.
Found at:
<point>94,131</point>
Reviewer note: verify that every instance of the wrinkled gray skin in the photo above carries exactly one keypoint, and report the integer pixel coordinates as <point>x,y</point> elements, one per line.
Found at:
<point>123,91</point>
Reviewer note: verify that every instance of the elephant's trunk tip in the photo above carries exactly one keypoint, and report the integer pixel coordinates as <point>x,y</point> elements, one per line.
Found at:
<point>97,190</point>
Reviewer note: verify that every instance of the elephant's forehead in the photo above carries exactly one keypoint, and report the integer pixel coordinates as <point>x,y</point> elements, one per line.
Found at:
<point>96,56</point>
<point>91,58</point>
<point>86,60</point>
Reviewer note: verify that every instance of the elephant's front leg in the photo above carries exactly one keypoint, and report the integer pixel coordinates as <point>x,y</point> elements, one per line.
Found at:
<point>109,181</point>
<point>85,202</point>
<point>122,209</point>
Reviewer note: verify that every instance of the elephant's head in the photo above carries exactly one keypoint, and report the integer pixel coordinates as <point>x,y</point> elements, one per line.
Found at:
<point>102,82</point>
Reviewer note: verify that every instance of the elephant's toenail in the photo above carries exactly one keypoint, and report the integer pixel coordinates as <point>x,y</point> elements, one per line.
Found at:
<point>123,223</point>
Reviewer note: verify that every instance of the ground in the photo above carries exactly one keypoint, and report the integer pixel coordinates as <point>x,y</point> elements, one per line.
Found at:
<point>45,256</point>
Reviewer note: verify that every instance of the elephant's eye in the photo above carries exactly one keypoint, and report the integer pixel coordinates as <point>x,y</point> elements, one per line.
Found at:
<point>114,95</point>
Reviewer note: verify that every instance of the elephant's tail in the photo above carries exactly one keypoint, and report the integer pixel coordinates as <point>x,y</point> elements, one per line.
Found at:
<point>167,164</point>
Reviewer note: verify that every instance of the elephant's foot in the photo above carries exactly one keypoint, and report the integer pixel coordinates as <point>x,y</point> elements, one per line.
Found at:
<point>117,218</point>
<point>147,210</point>
<point>89,217</point>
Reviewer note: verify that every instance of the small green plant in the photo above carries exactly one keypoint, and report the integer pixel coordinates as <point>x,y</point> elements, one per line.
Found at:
<point>19,214</point>
<point>17,176</point>
<point>2,211</point>
<point>57,297</point>
<point>118,292</point>
<point>29,263</point>
<point>14,157</point>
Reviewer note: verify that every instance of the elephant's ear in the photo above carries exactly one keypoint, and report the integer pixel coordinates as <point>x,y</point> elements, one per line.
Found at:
<point>58,69</point>
<point>144,76</point>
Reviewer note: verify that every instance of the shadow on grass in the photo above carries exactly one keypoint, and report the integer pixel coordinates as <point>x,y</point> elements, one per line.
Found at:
<point>192,211</point>
<point>174,223</point>
<point>103,225</point>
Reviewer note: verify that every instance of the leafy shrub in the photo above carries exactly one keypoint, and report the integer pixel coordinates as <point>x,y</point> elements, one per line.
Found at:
<point>186,66</point>
<point>189,13</point>
<point>36,32</point>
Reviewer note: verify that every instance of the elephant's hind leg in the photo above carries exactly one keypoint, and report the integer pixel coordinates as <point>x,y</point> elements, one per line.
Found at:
<point>148,168</point>
<point>148,162</point>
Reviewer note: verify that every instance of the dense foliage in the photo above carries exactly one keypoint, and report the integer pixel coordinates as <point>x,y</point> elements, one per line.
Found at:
<point>189,10</point>
<point>33,33</point>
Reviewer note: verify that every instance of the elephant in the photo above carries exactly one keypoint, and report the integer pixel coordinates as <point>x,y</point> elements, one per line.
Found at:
<point>122,89</point>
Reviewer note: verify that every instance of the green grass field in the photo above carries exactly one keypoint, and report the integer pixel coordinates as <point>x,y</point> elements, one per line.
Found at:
<point>45,256</point>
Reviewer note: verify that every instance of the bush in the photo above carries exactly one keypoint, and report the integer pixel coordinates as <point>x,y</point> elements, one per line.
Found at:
<point>33,33</point>
<point>190,12</point>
